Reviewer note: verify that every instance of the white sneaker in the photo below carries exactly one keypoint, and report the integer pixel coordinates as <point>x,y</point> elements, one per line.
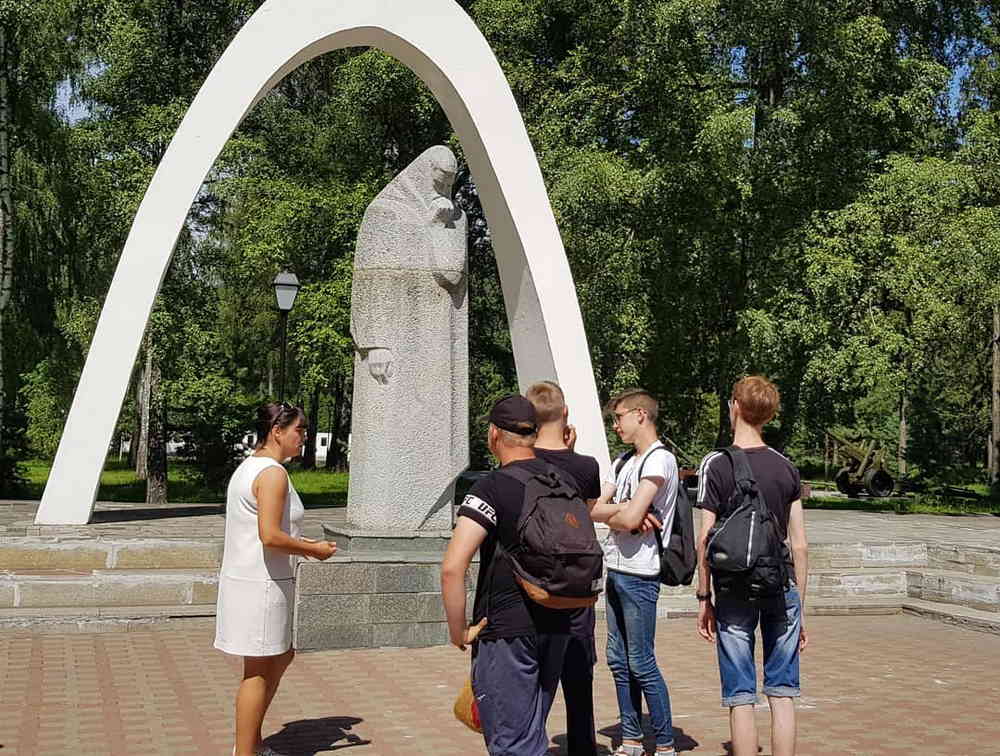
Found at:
<point>629,750</point>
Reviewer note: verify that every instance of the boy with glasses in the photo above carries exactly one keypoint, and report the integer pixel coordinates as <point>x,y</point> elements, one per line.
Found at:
<point>644,494</point>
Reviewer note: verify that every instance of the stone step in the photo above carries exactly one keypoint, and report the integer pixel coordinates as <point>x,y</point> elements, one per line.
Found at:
<point>962,616</point>
<point>974,560</point>
<point>950,587</point>
<point>841,583</point>
<point>953,614</point>
<point>125,619</point>
<point>858,555</point>
<point>107,619</point>
<point>30,589</point>
<point>688,606</point>
<point>48,553</point>
<point>945,586</point>
<point>67,552</point>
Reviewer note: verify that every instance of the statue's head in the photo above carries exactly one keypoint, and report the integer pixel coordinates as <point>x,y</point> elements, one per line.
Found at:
<point>443,167</point>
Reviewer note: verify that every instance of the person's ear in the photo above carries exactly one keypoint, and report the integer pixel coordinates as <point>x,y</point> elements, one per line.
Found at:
<point>565,412</point>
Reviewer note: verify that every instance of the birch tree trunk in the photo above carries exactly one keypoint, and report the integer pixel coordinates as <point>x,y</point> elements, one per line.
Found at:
<point>904,434</point>
<point>995,401</point>
<point>309,453</point>
<point>142,448</point>
<point>156,441</point>
<point>724,437</point>
<point>6,218</point>
<point>340,426</point>
<point>134,432</point>
<point>333,445</point>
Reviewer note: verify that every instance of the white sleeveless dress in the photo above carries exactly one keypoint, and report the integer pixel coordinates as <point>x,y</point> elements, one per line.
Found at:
<point>256,584</point>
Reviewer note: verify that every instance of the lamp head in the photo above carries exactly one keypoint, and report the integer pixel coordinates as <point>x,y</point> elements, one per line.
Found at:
<point>286,287</point>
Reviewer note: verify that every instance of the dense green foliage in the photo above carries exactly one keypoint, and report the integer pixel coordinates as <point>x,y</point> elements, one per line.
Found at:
<point>805,190</point>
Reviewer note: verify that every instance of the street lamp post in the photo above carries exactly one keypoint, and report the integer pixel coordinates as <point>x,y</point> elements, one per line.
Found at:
<point>286,287</point>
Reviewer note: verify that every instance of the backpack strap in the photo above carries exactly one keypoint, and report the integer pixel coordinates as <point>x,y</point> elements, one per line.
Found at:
<point>517,472</point>
<point>642,465</point>
<point>620,462</point>
<point>551,478</point>
<point>650,454</point>
<point>743,475</point>
<point>741,465</point>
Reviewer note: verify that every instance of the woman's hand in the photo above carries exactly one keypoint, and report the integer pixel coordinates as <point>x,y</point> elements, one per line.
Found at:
<point>321,549</point>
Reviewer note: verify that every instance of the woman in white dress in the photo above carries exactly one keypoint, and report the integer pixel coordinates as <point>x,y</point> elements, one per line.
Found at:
<point>257,579</point>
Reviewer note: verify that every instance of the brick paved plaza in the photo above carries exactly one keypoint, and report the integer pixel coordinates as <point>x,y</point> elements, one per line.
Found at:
<point>872,685</point>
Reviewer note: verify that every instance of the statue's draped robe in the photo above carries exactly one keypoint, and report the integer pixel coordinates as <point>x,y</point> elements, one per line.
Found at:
<point>409,436</point>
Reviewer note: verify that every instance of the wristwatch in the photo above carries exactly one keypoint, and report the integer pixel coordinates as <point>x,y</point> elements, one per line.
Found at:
<point>703,596</point>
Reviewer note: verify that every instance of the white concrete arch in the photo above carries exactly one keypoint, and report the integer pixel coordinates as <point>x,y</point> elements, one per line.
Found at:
<point>441,44</point>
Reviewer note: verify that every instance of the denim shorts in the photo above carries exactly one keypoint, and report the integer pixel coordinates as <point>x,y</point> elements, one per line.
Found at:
<point>780,623</point>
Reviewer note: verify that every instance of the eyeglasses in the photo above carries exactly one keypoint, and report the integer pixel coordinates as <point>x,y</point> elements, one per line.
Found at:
<point>620,415</point>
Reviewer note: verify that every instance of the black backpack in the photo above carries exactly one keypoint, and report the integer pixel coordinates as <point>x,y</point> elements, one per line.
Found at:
<point>678,557</point>
<point>745,552</point>
<point>555,558</point>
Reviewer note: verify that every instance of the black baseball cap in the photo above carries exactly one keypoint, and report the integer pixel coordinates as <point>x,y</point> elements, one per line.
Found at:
<point>516,414</point>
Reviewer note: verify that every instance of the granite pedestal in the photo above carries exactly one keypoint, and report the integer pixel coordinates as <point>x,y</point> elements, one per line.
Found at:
<point>371,599</point>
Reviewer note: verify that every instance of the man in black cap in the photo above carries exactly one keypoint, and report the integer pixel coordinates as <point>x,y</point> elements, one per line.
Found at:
<point>518,648</point>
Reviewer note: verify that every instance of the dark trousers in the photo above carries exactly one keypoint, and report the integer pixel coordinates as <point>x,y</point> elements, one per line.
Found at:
<point>515,681</point>
<point>578,691</point>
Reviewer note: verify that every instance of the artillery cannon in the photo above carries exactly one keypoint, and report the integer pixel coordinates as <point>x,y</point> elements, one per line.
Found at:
<point>864,469</point>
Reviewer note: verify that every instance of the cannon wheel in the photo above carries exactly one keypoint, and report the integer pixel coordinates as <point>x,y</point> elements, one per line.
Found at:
<point>845,486</point>
<point>879,483</point>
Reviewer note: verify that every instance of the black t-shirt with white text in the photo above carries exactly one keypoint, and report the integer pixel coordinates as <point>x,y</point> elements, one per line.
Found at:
<point>495,502</point>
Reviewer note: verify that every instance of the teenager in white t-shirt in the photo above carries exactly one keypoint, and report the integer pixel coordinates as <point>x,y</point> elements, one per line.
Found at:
<point>645,491</point>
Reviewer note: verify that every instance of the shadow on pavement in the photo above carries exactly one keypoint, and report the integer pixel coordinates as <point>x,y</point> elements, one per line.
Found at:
<point>154,513</point>
<point>682,741</point>
<point>562,747</point>
<point>305,737</point>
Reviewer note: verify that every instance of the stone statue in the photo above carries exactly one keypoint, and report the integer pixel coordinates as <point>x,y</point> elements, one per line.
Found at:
<point>409,321</point>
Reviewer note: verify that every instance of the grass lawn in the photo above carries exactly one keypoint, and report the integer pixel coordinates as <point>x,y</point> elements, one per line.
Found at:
<point>317,488</point>
<point>915,504</point>
<point>928,502</point>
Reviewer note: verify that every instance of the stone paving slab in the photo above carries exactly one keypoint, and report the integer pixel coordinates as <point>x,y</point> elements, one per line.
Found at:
<point>871,685</point>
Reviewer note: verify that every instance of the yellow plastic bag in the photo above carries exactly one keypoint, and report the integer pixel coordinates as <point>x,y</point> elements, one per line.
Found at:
<point>466,710</point>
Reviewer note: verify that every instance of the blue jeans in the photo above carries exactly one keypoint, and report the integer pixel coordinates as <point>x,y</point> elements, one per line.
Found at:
<point>780,623</point>
<point>631,636</point>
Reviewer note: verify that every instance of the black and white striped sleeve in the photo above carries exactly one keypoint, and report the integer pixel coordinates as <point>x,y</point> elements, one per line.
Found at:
<point>708,483</point>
